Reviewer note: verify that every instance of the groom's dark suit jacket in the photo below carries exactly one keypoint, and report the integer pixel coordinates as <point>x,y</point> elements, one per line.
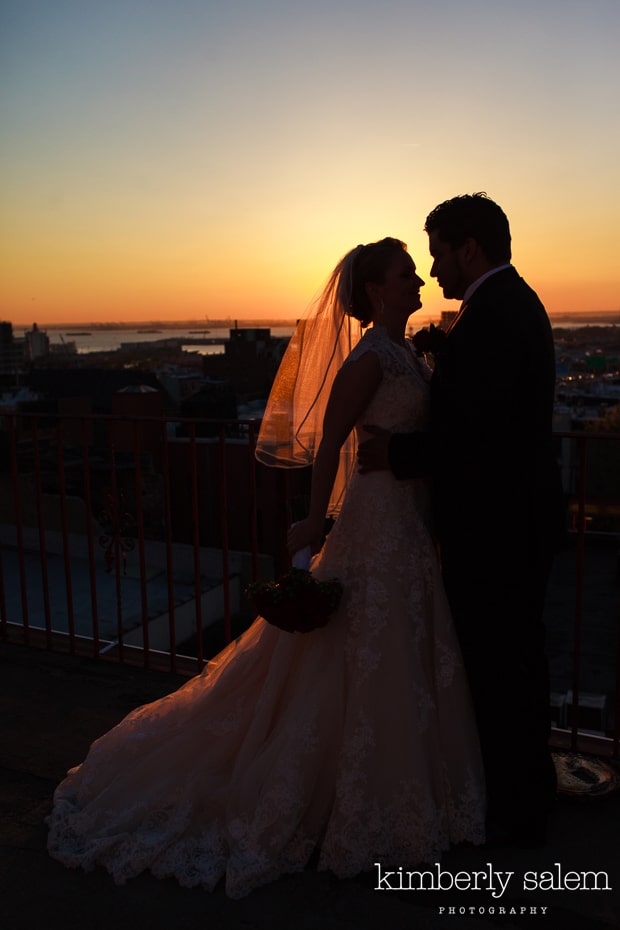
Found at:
<point>490,451</point>
<point>497,495</point>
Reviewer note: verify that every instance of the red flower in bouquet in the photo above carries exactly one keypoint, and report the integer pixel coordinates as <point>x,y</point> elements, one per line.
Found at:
<point>429,341</point>
<point>297,602</point>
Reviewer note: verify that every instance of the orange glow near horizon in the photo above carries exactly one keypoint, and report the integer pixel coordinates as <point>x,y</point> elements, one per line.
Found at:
<point>171,270</point>
<point>151,290</point>
<point>131,302</point>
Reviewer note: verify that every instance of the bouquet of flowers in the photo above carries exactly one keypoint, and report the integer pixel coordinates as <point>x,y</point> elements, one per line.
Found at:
<point>296,602</point>
<point>429,341</point>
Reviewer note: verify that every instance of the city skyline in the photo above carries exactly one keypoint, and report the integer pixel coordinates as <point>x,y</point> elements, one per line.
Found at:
<point>202,159</point>
<point>421,318</point>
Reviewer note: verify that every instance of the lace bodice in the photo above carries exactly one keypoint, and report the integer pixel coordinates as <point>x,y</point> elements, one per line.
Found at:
<point>401,403</point>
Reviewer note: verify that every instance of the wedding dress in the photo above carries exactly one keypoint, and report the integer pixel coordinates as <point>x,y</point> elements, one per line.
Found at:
<point>356,740</point>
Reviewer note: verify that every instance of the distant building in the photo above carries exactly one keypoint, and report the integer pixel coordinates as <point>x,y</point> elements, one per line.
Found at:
<point>447,317</point>
<point>100,385</point>
<point>214,400</point>
<point>63,349</point>
<point>250,362</point>
<point>16,353</point>
<point>12,351</point>
<point>37,343</point>
<point>179,383</point>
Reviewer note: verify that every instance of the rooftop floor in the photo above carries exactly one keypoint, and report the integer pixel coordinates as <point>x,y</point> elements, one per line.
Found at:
<point>53,706</point>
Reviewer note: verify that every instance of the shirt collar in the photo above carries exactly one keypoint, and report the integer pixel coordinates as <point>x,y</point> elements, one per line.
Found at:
<point>476,284</point>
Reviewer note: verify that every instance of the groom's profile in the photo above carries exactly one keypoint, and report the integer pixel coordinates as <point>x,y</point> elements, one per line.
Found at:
<point>497,499</point>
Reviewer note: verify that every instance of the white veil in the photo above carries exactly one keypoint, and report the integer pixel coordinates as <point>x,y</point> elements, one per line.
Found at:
<point>292,425</point>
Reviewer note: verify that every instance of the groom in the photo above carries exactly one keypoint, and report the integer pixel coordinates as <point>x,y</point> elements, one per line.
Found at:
<point>497,499</point>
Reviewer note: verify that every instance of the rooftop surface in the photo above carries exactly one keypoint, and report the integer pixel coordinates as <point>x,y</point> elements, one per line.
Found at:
<point>53,706</point>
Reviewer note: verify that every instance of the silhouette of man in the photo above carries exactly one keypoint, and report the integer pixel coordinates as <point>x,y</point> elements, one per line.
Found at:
<point>497,499</point>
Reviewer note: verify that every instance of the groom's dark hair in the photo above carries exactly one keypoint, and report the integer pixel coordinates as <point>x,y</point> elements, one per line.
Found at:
<point>473,216</point>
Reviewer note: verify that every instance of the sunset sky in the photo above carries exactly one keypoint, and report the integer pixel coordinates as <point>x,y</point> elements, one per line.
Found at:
<point>183,159</point>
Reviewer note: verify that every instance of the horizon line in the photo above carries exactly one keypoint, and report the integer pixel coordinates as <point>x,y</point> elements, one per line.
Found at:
<point>178,324</point>
<point>234,322</point>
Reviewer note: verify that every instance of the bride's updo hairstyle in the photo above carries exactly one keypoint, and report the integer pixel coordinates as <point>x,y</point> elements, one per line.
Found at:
<point>369,266</point>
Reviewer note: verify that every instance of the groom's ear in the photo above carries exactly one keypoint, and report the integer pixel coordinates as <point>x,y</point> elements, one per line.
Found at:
<point>470,249</point>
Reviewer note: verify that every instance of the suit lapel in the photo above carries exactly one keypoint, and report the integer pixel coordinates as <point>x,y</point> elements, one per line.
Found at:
<point>457,318</point>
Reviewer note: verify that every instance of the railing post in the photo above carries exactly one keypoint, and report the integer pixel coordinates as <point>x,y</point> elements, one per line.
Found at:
<point>196,543</point>
<point>224,535</point>
<point>581,529</point>
<point>169,557</point>
<point>616,731</point>
<point>116,540</point>
<point>38,493</point>
<point>253,498</point>
<point>66,547</point>
<point>144,609</point>
<point>19,527</point>
<point>283,510</point>
<point>90,533</point>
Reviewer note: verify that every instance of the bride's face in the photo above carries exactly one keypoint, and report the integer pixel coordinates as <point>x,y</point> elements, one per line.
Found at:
<point>400,292</point>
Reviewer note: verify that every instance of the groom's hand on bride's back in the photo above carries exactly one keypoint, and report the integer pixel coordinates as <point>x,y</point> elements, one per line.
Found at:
<point>373,453</point>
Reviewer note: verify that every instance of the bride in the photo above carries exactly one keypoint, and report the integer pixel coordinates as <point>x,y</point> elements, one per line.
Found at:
<point>354,743</point>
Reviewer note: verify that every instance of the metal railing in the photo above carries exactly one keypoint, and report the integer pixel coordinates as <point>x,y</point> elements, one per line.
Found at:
<point>591,499</point>
<point>133,538</point>
<point>114,499</point>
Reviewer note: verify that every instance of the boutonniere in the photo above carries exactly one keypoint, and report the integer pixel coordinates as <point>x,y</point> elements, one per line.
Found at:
<point>297,602</point>
<point>429,341</point>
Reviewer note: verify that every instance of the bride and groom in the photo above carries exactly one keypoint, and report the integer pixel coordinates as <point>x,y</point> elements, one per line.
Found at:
<point>357,742</point>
